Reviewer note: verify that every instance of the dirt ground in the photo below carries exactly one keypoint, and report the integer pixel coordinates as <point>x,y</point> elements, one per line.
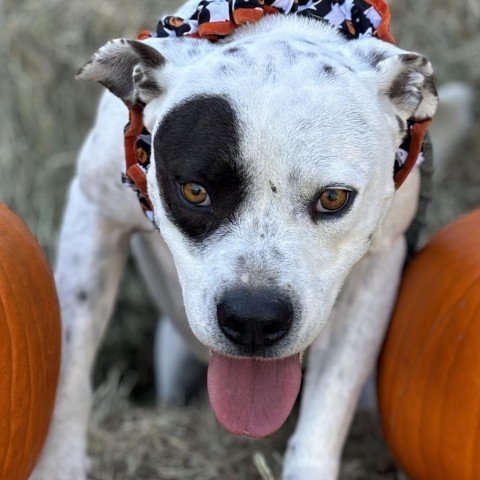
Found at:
<point>45,116</point>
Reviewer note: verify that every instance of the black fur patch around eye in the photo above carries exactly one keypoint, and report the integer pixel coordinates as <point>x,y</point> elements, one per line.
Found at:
<point>198,141</point>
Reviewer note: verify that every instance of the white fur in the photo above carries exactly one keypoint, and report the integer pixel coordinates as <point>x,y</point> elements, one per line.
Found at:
<point>328,132</point>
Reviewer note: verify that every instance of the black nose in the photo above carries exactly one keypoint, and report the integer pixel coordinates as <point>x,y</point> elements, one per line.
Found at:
<point>254,319</point>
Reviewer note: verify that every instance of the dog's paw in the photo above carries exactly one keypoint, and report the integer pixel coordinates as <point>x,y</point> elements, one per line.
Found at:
<point>69,467</point>
<point>302,463</point>
<point>312,471</point>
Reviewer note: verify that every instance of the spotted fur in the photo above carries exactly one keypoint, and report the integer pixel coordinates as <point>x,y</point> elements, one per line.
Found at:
<point>266,120</point>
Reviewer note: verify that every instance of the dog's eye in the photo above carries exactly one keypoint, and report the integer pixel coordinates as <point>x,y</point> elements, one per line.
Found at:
<point>195,194</point>
<point>332,200</point>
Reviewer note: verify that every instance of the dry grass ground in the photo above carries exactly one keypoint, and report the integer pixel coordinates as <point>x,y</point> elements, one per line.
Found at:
<point>44,116</point>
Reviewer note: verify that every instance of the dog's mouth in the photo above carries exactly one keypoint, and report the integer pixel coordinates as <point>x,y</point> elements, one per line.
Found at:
<point>252,396</point>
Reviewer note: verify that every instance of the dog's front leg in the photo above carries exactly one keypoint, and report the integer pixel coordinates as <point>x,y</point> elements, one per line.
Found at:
<point>91,257</point>
<point>339,363</point>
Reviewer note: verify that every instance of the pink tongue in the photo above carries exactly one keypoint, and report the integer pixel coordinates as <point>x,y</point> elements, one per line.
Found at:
<point>253,397</point>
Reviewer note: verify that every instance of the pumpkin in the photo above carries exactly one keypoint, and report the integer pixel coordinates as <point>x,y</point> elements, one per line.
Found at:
<point>29,347</point>
<point>429,369</point>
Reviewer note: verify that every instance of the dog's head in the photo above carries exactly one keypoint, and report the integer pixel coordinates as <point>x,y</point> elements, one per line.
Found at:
<point>273,167</point>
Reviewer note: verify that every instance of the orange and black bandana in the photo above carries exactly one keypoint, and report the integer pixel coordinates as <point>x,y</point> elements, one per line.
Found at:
<point>217,18</point>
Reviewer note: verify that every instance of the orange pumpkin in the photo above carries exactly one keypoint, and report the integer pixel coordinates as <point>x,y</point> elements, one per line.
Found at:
<point>429,370</point>
<point>29,347</point>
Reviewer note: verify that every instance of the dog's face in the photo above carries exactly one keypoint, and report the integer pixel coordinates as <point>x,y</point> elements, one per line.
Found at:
<point>273,168</point>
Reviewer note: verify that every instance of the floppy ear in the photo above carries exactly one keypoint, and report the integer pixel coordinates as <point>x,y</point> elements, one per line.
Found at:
<point>406,83</point>
<point>130,69</point>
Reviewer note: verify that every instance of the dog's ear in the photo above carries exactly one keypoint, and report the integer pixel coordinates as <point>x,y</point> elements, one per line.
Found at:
<point>407,82</point>
<point>130,69</point>
<point>404,80</point>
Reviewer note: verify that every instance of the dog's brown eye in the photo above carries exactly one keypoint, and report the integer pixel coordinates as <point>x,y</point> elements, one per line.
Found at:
<point>195,194</point>
<point>332,199</point>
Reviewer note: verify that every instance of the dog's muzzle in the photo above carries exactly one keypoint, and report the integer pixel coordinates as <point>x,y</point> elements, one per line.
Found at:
<point>254,319</point>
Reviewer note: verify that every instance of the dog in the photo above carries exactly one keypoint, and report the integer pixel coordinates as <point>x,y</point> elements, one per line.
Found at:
<point>282,233</point>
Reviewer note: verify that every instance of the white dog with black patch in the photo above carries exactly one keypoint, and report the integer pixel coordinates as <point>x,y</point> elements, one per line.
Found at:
<point>281,231</point>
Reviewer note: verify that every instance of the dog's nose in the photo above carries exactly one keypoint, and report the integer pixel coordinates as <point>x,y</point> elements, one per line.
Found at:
<point>254,319</point>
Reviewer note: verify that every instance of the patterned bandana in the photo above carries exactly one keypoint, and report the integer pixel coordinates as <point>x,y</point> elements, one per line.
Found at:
<point>214,19</point>
<point>217,18</point>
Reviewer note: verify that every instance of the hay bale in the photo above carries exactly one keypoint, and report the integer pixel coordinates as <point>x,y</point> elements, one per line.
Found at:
<point>45,112</point>
<point>127,442</point>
